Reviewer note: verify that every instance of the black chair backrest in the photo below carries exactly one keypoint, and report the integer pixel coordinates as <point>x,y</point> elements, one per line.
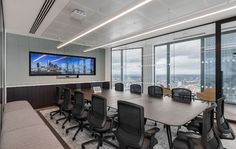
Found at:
<point>222,124</point>
<point>67,98</point>
<point>59,93</point>
<point>209,138</point>
<point>98,113</point>
<point>130,131</point>
<point>119,87</point>
<point>79,102</point>
<point>181,95</point>
<point>155,91</point>
<point>136,89</point>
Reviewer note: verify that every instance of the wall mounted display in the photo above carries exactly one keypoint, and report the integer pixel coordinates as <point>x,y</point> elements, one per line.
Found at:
<point>56,64</point>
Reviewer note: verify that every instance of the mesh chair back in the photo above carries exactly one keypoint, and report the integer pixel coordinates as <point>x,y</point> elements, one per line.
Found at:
<point>98,113</point>
<point>131,124</point>
<point>119,87</point>
<point>181,95</point>
<point>67,98</point>
<point>222,124</point>
<point>59,93</point>
<point>209,138</point>
<point>79,102</point>
<point>136,89</point>
<point>155,91</point>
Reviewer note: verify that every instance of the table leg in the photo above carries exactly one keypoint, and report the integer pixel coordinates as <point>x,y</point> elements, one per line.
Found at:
<point>168,131</point>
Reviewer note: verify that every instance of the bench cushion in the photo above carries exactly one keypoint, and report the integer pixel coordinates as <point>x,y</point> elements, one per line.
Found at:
<point>23,129</point>
<point>20,119</point>
<point>35,137</point>
<point>16,105</point>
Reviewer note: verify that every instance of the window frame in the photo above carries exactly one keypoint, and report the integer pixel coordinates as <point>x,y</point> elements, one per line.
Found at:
<point>122,57</point>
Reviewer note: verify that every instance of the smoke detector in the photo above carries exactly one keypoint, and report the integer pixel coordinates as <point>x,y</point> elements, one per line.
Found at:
<point>78,14</point>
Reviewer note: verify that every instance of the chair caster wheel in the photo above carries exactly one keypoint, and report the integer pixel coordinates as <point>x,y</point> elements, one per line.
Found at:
<point>63,127</point>
<point>73,139</point>
<point>113,138</point>
<point>51,118</point>
<point>56,122</point>
<point>92,134</point>
<point>83,147</point>
<point>155,124</point>
<point>67,131</point>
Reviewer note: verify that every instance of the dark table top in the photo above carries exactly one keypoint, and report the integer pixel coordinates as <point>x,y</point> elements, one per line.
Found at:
<point>164,110</point>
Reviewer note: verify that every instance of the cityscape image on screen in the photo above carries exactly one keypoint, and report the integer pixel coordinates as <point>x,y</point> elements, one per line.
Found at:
<point>53,64</point>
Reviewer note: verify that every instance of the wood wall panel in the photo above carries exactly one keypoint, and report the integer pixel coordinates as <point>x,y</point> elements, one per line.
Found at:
<point>44,96</point>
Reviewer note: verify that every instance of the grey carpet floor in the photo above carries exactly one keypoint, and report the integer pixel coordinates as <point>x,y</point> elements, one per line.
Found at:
<point>86,135</point>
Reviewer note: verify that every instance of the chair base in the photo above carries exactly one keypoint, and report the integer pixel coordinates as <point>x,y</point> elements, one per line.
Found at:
<point>80,127</point>
<point>66,118</point>
<point>53,113</point>
<point>101,139</point>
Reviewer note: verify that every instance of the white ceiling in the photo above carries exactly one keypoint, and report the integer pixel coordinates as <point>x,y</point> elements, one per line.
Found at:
<point>59,25</point>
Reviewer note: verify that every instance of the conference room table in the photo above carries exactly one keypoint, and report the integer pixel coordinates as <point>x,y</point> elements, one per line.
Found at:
<point>165,110</point>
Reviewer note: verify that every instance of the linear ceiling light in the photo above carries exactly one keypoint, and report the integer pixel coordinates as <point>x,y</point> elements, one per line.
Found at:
<point>162,28</point>
<point>130,9</point>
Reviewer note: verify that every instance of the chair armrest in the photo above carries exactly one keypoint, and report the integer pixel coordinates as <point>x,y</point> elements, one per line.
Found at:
<point>151,132</point>
<point>113,116</point>
<point>188,135</point>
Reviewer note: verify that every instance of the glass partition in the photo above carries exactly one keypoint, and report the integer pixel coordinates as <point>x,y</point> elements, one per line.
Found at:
<point>185,65</point>
<point>127,67</point>
<point>2,41</point>
<point>161,65</point>
<point>132,67</point>
<point>228,67</point>
<point>116,67</point>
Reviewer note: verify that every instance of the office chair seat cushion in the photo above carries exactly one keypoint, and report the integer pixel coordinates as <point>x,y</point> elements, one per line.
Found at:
<point>196,125</point>
<point>106,128</point>
<point>60,102</point>
<point>82,116</point>
<point>151,132</point>
<point>68,108</point>
<point>187,142</point>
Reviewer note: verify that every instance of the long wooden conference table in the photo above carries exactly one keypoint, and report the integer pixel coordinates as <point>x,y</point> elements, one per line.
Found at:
<point>165,111</point>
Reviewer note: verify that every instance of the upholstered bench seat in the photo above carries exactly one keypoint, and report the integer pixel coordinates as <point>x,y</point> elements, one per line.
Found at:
<point>20,119</point>
<point>22,128</point>
<point>35,137</point>
<point>16,105</point>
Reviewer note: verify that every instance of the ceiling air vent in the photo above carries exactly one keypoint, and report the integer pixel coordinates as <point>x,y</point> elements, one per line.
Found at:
<point>42,14</point>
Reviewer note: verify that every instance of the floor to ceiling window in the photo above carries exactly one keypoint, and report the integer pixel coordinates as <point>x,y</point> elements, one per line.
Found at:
<point>161,65</point>
<point>116,67</point>
<point>228,63</point>
<point>132,67</point>
<point>185,65</point>
<point>209,62</point>
<point>127,67</point>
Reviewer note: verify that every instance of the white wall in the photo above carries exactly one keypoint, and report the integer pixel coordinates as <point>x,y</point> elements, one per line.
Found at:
<point>18,48</point>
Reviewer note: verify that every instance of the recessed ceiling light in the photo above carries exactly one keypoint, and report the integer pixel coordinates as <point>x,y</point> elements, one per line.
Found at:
<point>79,12</point>
<point>109,20</point>
<point>164,27</point>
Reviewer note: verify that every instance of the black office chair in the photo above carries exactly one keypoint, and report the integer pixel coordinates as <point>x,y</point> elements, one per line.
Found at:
<point>208,139</point>
<point>155,91</point>
<point>131,132</point>
<point>79,113</point>
<point>136,89</point>
<point>59,101</point>
<point>99,122</point>
<point>181,95</point>
<point>222,126</point>
<point>66,107</point>
<point>119,87</point>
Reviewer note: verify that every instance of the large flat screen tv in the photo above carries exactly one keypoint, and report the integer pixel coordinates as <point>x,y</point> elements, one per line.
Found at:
<point>56,64</point>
